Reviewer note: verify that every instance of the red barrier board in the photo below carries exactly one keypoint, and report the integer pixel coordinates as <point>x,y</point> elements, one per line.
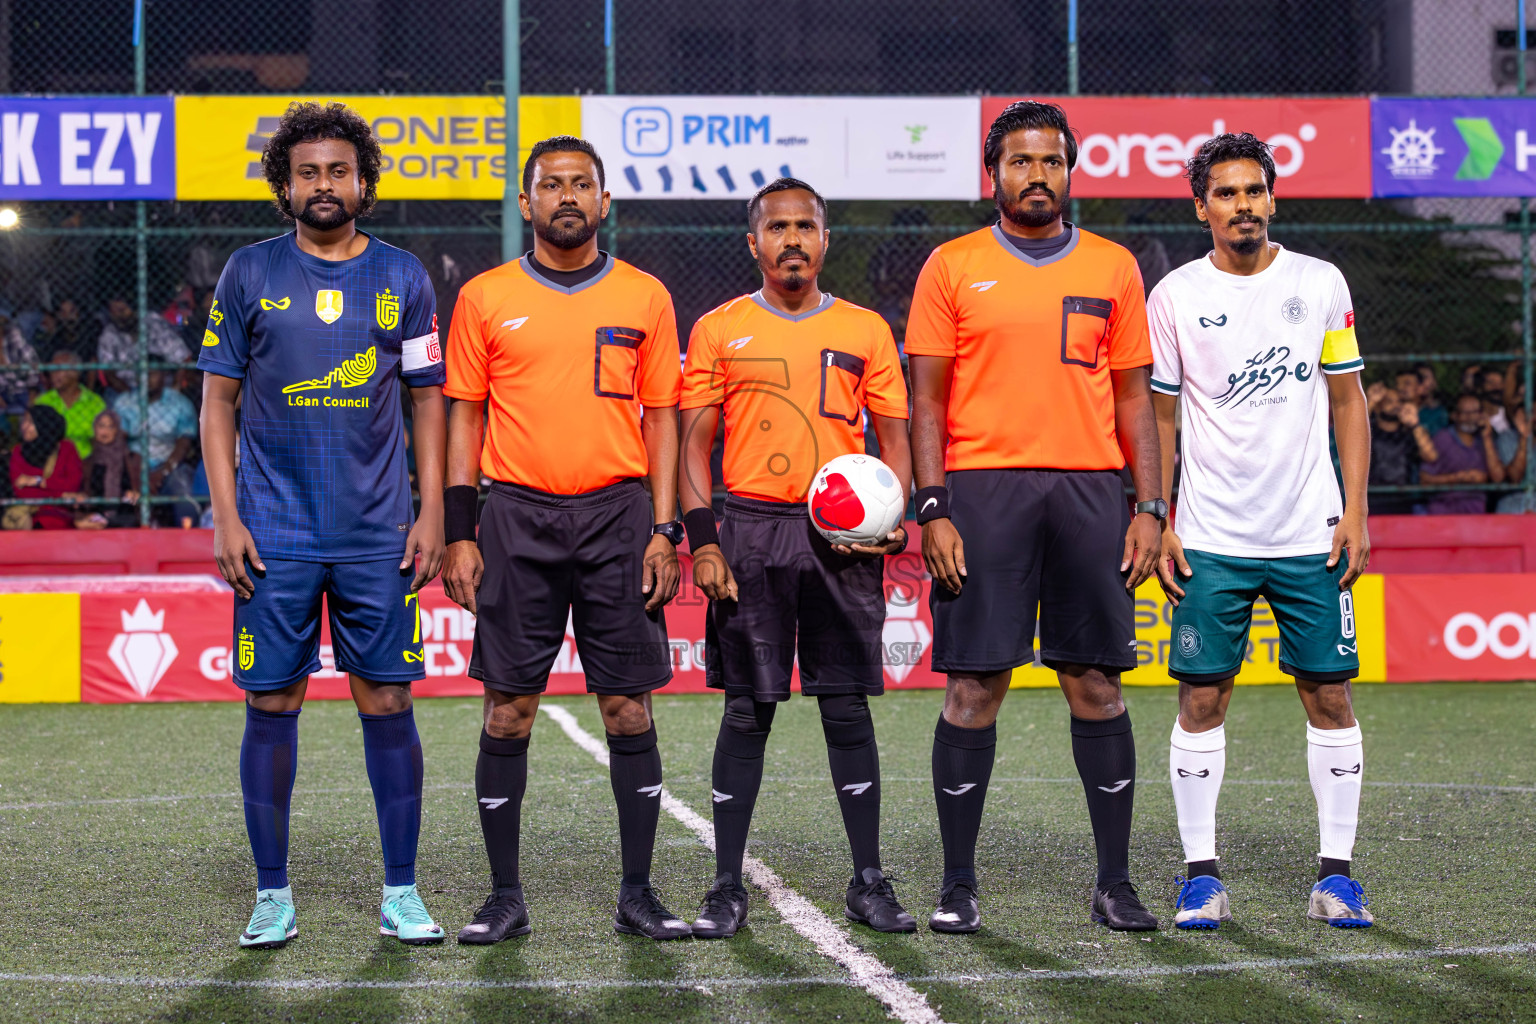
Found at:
<point>1469,626</point>
<point>176,647</point>
<point>1134,147</point>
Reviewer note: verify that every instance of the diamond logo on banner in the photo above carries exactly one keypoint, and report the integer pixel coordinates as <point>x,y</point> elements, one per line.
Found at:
<point>141,652</point>
<point>905,636</point>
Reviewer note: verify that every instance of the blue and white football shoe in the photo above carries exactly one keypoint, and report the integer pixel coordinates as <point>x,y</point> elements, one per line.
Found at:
<point>1339,900</point>
<point>1202,904</point>
<point>403,916</point>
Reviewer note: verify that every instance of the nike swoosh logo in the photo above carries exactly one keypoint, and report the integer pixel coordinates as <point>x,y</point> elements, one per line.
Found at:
<point>719,796</point>
<point>962,790</point>
<point>1202,773</point>
<point>857,788</point>
<point>650,790</point>
<point>491,803</point>
<point>930,501</point>
<point>1117,787</point>
<point>1346,771</point>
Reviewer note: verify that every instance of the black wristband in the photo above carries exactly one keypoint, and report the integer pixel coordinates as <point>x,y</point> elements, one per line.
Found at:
<point>700,524</point>
<point>932,503</point>
<point>460,507</point>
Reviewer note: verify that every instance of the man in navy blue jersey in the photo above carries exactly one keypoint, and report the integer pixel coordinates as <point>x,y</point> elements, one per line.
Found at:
<point>312,332</point>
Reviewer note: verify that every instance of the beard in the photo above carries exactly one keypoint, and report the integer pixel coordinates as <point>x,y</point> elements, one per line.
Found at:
<point>325,216</point>
<point>1029,217</point>
<point>796,280</point>
<point>566,232</point>
<point>1248,245</point>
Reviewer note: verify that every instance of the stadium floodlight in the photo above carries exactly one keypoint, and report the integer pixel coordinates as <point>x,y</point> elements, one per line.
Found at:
<point>9,218</point>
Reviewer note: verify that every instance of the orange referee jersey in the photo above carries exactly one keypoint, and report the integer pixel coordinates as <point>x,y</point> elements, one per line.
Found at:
<point>1033,343</point>
<point>566,371</point>
<point>794,388</point>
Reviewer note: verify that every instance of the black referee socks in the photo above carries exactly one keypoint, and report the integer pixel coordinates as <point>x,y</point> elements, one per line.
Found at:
<point>1106,761</point>
<point>855,762</point>
<point>634,769</point>
<point>962,768</point>
<point>737,776</point>
<point>501,776</point>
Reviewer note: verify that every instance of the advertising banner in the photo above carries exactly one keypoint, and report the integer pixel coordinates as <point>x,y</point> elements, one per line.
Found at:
<point>87,147</point>
<point>723,147</point>
<point>1134,147</point>
<point>1453,147</point>
<point>39,648</point>
<point>435,147</point>
<point>1472,626</point>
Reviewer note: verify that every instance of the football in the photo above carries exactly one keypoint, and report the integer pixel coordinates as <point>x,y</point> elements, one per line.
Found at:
<point>856,499</point>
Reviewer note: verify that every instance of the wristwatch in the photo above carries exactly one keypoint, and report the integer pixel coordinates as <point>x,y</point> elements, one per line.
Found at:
<point>673,531</point>
<point>1157,507</point>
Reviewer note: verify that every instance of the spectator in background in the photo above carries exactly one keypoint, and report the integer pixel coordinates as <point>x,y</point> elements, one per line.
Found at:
<point>1514,444</point>
<point>77,404</point>
<point>61,330</point>
<point>197,321</point>
<point>1466,456</point>
<point>112,471</point>
<point>1399,444</point>
<point>171,426</point>
<point>44,465</point>
<point>17,387</point>
<point>1432,413</point>
<point>119,342</point>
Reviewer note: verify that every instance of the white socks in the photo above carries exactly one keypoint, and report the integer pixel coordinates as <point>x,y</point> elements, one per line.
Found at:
<point>1196,763</point>
<point>1335,760</point>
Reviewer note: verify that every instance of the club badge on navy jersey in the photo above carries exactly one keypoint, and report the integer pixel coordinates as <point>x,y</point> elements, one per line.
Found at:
<point>386,309</point>
<point>328,305</point>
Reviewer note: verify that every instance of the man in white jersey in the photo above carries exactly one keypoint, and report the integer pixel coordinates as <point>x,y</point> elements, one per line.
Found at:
<point>1259,342</point>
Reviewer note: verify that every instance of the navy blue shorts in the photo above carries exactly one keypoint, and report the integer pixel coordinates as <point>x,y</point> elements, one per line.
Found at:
<point>375,623</point>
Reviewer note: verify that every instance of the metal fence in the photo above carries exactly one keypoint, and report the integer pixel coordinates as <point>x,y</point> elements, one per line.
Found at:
<point>1446,282</point>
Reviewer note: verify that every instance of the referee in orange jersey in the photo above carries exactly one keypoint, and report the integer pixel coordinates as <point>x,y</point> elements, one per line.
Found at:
<point>577,354</point>
<point>792,371</point>
<point>1030,362</point>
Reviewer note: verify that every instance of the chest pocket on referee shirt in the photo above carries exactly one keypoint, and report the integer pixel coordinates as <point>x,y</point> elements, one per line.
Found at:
<point>840,377</point>
<point>616,362</point>
<point>1084,326</point>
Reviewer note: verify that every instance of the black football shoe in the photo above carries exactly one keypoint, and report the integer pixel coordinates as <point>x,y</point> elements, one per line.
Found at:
<point>1121,909</point>
<point>873,902</point>
<point>723,911</point>
<point>957,911</point>
<point>503,915</point>
<point>640,913</point>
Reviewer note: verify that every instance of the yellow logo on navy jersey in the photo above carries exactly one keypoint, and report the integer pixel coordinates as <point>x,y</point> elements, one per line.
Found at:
<point>386,307</point>
<point>414,656</point>
<point>247,647</point>
<point>350,374</point>
<point>210,339</point>
<point>216,314</point>
<point>281,303</point>
<point>328,305</point>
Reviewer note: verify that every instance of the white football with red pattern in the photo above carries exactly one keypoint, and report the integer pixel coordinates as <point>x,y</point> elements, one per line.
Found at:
<point>856,499</point>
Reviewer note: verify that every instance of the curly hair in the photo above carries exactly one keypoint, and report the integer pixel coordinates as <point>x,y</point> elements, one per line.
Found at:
<point>1224,148</point>
<point>312,122</point>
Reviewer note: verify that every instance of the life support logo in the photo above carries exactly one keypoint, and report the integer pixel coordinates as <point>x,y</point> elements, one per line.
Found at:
<point>1508,635</point>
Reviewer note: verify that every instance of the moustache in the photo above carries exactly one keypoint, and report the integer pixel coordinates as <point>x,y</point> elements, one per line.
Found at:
<point>570,211</point>
<point>318,200</point>
<point>1245,218</point>
<point>789,254</point>
<point>1036,190</point>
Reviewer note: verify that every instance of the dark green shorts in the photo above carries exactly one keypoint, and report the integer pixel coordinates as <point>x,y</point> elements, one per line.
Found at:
<point>1316,619</point>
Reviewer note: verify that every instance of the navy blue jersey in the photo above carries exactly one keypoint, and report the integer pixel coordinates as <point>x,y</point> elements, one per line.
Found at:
<point>320,345</point>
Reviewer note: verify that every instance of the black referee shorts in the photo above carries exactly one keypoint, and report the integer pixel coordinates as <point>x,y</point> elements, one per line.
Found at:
<point>795,594</point>
<point>1034,537</point>
<point>553,557</point>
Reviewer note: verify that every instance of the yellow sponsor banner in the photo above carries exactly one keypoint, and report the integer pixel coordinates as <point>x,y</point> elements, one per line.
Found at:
<point>39,648</point>
<point>1261,663</point>
<point>435,147</point>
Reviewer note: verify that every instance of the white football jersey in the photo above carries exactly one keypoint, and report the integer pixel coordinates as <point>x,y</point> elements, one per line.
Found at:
<point>1248,355</point>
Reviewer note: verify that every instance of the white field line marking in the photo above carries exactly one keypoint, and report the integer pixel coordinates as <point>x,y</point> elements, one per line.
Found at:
<point>983,977</point>
<point>796,779</point>
<point>903,1002</point>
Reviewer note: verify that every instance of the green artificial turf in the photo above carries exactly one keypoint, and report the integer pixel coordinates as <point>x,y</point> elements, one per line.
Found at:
<point>125,875</point>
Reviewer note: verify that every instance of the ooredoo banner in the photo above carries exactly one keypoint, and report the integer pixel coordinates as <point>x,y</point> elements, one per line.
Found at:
<point>1134,147</point>
<point>722,147</point>
<point>1472,626</point>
